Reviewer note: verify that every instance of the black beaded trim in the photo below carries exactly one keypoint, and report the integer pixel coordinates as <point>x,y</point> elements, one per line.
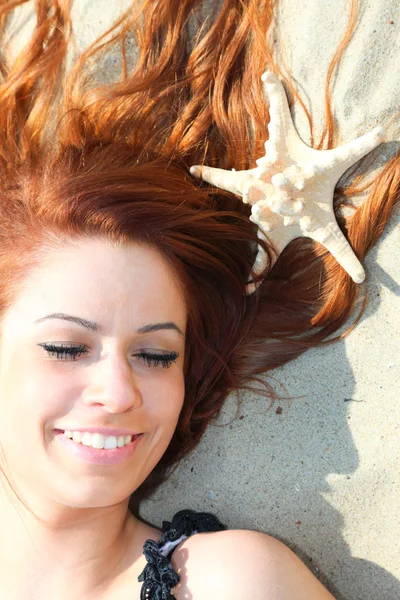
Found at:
<point>158,575</point>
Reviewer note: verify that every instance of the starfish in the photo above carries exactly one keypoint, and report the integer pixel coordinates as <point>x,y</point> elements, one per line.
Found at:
<point>291,189</point>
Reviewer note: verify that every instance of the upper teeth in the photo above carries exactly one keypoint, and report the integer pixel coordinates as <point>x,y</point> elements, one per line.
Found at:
<point>97,440</point>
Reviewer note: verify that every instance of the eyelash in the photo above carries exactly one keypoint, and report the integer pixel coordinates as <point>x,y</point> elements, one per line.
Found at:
<point>152,360</point>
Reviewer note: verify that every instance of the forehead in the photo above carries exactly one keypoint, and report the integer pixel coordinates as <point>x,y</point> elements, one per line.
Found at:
<point>96,278</point>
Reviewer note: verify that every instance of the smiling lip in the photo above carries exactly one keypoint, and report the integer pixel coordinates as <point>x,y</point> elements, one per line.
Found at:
<point>98,456</point>
<point>103,430</point>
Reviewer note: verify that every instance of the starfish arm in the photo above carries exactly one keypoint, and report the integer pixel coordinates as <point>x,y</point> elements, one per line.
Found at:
<point>260,262</point>
<point>233,181</point>
<point>280,237</point>
<point>332,237</point>
<point>342,158</point>
<point>282,132</point>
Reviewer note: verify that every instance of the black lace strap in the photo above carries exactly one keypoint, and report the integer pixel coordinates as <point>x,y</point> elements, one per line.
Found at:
<point>158,575</point>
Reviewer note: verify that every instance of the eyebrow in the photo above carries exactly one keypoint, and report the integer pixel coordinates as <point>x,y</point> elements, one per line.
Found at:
<point>93,326</point>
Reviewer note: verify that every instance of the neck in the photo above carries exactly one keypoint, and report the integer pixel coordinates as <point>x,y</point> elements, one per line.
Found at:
<point>83,549</point>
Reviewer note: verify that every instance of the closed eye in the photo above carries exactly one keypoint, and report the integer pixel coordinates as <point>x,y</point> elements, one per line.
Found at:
<point>71,352</point>
<point>153,360</point>
<point>63,351</point>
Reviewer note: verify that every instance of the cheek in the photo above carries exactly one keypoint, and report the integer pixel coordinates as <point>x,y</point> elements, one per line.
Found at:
<point>18,401</point>
<point>165,401</point>
<point>30,402</point>
<point>25,406</point>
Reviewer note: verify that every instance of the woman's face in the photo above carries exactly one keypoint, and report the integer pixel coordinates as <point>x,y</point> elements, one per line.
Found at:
<point>111,379</point>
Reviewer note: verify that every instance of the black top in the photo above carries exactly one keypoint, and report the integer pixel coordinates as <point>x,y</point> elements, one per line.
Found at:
<point>158,576</point>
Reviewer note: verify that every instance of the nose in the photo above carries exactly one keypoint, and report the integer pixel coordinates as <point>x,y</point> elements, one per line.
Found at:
<point>113,384</point>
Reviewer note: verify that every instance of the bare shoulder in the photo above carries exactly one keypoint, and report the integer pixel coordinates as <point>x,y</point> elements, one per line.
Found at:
<point>241,564</point>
